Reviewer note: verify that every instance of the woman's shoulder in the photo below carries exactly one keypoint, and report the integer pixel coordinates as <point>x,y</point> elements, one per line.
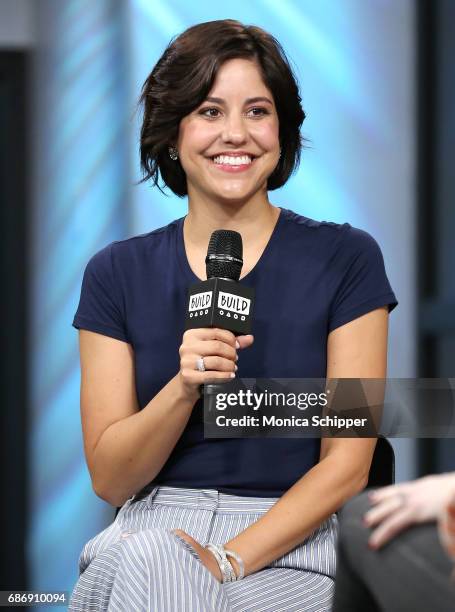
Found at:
<point>329,235</point>
<point>148,239</point>
<point>132,247</point>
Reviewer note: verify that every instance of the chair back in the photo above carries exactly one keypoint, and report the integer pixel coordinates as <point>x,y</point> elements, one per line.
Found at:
<point>382,470</point>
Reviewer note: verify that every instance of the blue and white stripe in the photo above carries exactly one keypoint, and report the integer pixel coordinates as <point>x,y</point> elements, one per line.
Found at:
<point>138,564</point>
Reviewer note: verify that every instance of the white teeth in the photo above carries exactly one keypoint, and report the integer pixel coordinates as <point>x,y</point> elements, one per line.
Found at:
<point>231,160</point>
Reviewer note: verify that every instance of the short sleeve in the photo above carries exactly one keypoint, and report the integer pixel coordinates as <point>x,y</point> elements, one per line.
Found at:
<point>100,309</point>
<point>358,280</point>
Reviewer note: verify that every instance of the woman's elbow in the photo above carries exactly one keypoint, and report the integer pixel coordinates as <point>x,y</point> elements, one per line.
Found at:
<point>114,498</point>
<point>358,482</point>
<point>363,482</point>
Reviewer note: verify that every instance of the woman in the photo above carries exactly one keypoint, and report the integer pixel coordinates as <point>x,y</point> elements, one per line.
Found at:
<point>403,563</point>
<point>222,118</point>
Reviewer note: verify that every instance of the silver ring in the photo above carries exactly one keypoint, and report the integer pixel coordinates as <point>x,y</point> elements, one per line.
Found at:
<point>200,365</point>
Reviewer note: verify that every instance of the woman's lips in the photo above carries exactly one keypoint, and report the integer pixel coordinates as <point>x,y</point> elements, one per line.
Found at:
<point>231,167</point>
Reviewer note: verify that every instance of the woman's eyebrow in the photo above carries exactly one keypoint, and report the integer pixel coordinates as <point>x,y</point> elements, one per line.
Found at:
<point>248,101</point>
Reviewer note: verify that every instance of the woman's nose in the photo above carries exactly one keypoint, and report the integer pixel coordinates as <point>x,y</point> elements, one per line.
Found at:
<point>234,130</point>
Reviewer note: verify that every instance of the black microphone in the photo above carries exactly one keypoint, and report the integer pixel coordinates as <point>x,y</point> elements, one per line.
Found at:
<point>221,301</point>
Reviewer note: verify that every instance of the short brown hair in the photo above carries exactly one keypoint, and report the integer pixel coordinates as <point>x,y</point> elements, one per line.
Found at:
<point>182,79</point>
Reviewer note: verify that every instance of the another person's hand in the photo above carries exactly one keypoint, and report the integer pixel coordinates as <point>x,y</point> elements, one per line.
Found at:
<point>218,347</point>
<point>397,507</point>
<point>205,556</point>
<point>446,529</point>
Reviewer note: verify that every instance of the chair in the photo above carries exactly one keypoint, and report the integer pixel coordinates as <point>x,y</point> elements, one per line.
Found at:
<point>382,470</point>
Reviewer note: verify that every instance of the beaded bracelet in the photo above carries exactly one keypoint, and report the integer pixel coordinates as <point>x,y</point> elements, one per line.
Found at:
<point>238,558</point>
<point>227,571</point>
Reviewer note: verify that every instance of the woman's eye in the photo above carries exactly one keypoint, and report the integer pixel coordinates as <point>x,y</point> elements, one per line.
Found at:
<point>258,111</point>
<point>212,113</point>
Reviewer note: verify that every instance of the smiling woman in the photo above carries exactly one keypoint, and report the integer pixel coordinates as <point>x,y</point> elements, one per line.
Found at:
<point>229,146</point>
<point>200,64</point>
<point>221,524</point>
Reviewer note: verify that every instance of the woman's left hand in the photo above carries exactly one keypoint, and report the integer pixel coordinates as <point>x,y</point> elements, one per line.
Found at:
<point>204,554</point>
<point>397,507</point>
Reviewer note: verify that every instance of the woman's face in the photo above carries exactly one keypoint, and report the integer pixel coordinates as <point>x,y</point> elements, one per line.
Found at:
<point>229,145</point>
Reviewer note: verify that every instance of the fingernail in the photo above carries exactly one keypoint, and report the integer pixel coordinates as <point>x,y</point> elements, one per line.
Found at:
<point>236,357</point>
<point>237,345</point>
<point>236,368</point>
<point>232,375</point>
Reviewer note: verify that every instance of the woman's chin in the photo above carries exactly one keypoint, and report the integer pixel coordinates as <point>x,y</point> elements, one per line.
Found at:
<point>235,192</point>
<point>234,197</point>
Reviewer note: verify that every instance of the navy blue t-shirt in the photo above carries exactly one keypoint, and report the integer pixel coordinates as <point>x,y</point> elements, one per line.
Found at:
<point>311,278</point>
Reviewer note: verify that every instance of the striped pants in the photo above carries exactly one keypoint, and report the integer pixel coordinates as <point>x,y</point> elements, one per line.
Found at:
<point>137,564</point>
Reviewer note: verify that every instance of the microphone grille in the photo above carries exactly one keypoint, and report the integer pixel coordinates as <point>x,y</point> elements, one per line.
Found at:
<point>224,255</point>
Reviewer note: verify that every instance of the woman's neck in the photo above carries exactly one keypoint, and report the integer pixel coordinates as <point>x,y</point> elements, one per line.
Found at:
<point>252,220</point>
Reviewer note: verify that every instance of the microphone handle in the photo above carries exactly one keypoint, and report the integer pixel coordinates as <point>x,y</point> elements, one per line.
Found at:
<point>211,388</point>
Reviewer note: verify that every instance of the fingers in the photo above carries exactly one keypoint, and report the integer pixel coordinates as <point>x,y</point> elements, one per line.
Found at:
<point>390,528</point>
<point>388,514</point>
<point>220,364</point>
<point>217,343</point>
<point>245,341</point>
<point>212,333</point>
<point>213,347</point>
<point>446,528</point>
<point>451,520</point>
<point>380,512</point>
<point>218,347</point>
<point>220,342</point>
<point>385,493</point>
<point>215,333</point>
<point>194,377</point>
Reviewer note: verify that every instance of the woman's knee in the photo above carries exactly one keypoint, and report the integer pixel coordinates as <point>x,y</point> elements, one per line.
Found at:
<point>352,531</point>
<point>96,545</point>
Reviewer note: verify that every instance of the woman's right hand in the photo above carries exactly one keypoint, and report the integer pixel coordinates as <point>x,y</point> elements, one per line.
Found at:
<point>218,347</point>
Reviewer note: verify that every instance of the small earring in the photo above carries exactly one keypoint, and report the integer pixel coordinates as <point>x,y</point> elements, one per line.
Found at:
<point>173,153</point>
<point>279,156</point>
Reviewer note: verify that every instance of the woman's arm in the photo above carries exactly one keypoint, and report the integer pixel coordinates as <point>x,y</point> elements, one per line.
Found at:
<point>355,350</point>
<point>125,447</point>
<point>121,444</point>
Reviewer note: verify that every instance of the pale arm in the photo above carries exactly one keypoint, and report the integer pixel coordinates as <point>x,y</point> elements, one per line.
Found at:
<point>125,447</point>
<point>355,350</point>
